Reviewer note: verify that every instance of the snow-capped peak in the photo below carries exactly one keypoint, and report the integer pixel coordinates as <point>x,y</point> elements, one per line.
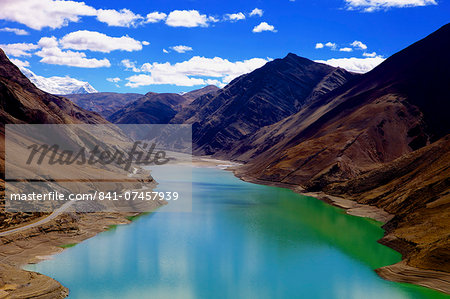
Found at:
<point>58,85</point>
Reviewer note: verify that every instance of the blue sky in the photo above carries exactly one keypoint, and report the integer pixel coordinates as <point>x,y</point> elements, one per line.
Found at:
<point>80,39</point>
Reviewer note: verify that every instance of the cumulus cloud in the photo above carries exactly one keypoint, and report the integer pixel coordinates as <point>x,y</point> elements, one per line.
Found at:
<point>195,71</point>
<point>16,31</point>
<point>374,5</point>
<point>346,49</point>
<point>70,58</point>
<point>38,14</point>
<point>130,65</point>
<point>234,17</point>
<point>18,49</point>
<point>263,26</point>
<point>155,17</point>
<point>121,18</point>
<point>165,51</point>
<point>257,12</point>
<point>48,42</point>
<point>181,49</point>
<point>356,65</point>
<point>188,18</point>
<point>113,80</point>
<point>175,79</point>
<point>331,45</point>
<point>319,46</point>
<point>50,53</point>
<point>359,45</point>
<point>96,41</point>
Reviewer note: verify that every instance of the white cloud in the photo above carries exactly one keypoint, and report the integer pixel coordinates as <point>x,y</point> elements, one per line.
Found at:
<point>257,12</point>
<point>18,49</point>
<point>319,46</point>
<point>19,63</point>
<point>188,18</point>
<point>113,80</point>
<point>38,14</point>
<point>145,43</point>
<point>263,26</point>
<point>15,31</point>
<point>48,42</point>
<point>51,53</point>
<point>176,79</point>
<point>234,17</point>
<point>165,51</point>
<point>195,71</point>
<point>130,65</point>
<point>331,45</point>
<point>55,55</point>
<point>346,49</point>
<point>155,17</point>
<point>181,49</point>
<point>96,41</point>
<point>374,5</point>
<point>359,45</point>
<point>122,18</point>
<point>356,65</point>
<point>373,54</point>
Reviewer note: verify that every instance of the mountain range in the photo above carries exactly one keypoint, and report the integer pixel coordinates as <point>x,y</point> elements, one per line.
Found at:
<point>379,139</point>
<point>156,108</point>
<point>104,103</point>
<point>265,96</point>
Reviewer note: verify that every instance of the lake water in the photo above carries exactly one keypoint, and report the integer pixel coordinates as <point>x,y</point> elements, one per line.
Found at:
<point>241,240</point>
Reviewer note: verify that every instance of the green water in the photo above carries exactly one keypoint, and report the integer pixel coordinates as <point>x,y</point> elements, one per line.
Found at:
<point>241,240</point>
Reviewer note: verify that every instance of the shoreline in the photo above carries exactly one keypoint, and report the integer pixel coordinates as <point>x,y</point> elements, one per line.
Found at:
<point>399,272</point>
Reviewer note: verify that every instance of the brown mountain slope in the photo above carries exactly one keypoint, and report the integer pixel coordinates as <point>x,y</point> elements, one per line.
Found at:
<point>415,188</point>
<point>267,95</point>
<point>398,107</point>
<point>192,95</point>
<point>153,108</point>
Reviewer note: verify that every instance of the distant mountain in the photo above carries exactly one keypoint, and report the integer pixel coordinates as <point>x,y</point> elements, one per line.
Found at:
<point>192,95</point>
<point>153,108</point>
<point>263,97</point>
<point>59,85</point>
<point>156,108</point>
<point>105,103</point>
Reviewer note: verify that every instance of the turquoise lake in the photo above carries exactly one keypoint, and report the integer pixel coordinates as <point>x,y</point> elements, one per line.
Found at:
<point>241,240</point>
